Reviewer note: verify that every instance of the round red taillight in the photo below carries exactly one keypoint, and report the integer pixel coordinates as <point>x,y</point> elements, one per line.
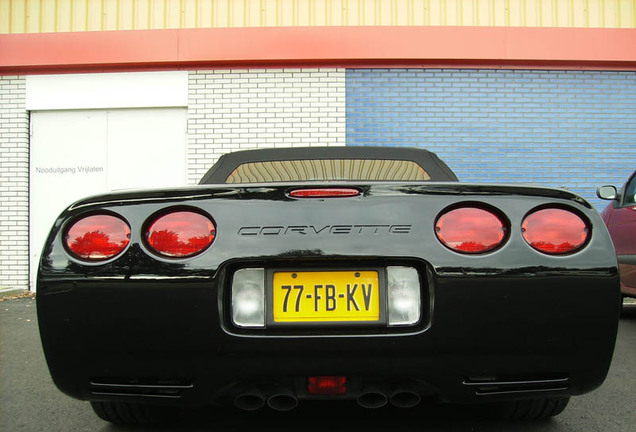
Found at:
<point>180,234</point>
<point>471,230</point>
<point>555,231</point>
<point>97,237</point>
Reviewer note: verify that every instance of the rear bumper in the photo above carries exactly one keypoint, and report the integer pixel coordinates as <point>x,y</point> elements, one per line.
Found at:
<point>488,336</point>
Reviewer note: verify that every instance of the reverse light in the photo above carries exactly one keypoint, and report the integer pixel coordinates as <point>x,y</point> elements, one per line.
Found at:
<point>403,292</point>
<point>471,230</point>
<point>324,193</point>
<point>97,237</point>
<point>327,385</point>
<point>180,234</point>
<point>555,231</point>
<point>248,298</point>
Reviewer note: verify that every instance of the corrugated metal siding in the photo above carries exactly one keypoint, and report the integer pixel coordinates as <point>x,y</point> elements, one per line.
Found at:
<point>36,16</point>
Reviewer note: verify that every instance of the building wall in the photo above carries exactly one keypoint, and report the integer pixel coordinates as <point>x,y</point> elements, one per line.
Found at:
<point>572,129</point>
<point>566,127</point>
<point>38,16</point>
<point>14,184</point>
<point>228,110</point>
<point>233,110</point>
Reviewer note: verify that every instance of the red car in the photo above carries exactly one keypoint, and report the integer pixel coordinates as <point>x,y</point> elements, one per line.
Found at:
<point>620,218</point>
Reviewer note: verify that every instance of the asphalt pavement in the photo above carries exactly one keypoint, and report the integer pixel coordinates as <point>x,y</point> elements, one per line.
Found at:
<point>29,401</point>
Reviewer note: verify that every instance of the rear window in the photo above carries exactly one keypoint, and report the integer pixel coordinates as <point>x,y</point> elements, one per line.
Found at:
<point>328,169</point>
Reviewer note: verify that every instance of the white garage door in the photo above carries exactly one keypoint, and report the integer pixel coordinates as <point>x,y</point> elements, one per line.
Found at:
<point>75,154</point>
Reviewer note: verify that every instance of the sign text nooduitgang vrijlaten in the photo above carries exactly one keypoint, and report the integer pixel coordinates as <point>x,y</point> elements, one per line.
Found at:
<point>70,170</point>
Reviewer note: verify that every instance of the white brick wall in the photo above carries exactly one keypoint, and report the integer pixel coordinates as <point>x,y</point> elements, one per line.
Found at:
<point>14,184</point>
<point>231,110</point>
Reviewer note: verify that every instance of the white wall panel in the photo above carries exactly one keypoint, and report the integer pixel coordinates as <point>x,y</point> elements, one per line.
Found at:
<point>146,148</point>
<point>107,90</point>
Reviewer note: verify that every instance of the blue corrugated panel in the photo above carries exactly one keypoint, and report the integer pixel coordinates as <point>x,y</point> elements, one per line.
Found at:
<point>572,129</point>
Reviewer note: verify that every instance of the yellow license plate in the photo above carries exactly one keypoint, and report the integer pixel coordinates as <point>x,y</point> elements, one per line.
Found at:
<point>326,296</point>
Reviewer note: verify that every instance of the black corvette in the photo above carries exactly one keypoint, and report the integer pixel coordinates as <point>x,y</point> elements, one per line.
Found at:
<point>292,275</point>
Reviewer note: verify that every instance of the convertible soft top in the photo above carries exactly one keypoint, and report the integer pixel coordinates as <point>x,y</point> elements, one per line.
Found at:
<point>436,169</point>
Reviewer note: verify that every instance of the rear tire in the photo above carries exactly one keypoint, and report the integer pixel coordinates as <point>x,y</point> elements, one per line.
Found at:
<point>530,409</point>
<point>134,414</point>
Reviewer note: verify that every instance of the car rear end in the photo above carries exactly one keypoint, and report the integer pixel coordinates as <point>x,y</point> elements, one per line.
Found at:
<point>391,293</point>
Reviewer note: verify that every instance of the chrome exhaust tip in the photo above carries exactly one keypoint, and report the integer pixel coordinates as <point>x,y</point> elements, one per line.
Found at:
<point>372,398</point>
<point>250,401</point>
<point>282,401</point>
<point>405,398</point>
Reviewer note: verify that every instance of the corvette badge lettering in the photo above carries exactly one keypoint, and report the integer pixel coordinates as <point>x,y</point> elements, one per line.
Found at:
<point>274,230</point>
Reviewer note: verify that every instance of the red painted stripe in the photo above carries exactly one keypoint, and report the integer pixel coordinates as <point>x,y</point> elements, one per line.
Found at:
<point>505,47</point>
